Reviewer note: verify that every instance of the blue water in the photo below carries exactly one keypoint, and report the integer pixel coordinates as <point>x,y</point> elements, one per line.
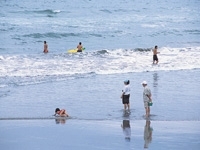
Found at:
<point>97,97</point>
<point>126,24</point>
<point>118,37</point>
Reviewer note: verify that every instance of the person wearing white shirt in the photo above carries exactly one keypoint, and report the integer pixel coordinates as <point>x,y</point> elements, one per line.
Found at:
<point>126,95</point>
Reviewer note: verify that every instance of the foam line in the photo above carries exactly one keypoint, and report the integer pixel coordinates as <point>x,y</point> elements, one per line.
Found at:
<point>34,118</point>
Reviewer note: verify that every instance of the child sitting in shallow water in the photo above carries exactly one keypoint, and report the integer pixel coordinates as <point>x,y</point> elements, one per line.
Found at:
<point>61,113</point>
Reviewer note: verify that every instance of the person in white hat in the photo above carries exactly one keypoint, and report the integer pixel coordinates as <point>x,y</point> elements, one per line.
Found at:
<point>146,97</point>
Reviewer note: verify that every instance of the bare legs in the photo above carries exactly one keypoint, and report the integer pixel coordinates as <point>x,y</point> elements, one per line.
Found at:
<point>126,106</point>
<point>155,62</point>
<point>147,111</point>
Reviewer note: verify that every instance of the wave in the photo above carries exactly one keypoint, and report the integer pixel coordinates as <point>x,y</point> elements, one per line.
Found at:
<point>46,11</point>
<point>51,35</point>
<point>106,11</point>
<point>54,35</point>
<point>35,118</point>
<point>101,52</point>
<point>193,31</point>
<point>106,51</point>
<point>35,69</point>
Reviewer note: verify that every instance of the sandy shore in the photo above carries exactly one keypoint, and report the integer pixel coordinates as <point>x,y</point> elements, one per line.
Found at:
<point>75,134</point>
<point>174,127</point>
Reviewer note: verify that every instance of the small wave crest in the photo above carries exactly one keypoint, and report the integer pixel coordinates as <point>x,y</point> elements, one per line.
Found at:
<point>34,118</point>
<point>51,35</point>
<point>143,49</point>
<point>102,52</point>
<point>34,69</point>
<point>106,11</point>
<point>47,11</point>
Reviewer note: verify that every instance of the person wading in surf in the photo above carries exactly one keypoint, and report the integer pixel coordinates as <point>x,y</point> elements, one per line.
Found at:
<point>155,57</point>
<point>79,46</point>
<point>45,47</point>
<point>126,95</point>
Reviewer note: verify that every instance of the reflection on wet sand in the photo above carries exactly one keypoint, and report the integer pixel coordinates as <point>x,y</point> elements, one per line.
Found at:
<point>155,84</point>
<point>155,79</point>
<point>60,120</point>
<point>126,129</point>
<point>147,134</point>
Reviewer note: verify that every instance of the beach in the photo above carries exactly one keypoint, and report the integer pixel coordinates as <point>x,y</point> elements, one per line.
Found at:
<point>118,38</point>
<point>98,97</point>
<point>96,117</point>
<point>98,135</point>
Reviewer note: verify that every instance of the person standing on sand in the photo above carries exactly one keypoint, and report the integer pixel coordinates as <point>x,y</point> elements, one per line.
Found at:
<point>146,98</point>
<point>79,46</point>
<point>45,47</point>
<point>126,95</point>
<point>155,57</point>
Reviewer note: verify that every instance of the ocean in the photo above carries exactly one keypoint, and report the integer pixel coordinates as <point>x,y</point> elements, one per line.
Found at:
<point>118,37</point>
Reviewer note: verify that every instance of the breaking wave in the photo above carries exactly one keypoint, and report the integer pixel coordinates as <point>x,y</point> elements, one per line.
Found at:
<point>34,69</point>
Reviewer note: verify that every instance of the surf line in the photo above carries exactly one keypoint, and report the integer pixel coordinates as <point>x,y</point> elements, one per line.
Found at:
<point>35,118</point>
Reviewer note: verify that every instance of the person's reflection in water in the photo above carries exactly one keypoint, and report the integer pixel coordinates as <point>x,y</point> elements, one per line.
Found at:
<point>155,84</point>
<point>60,120</point>
<point>147,134</point>
<point>155,79</point>
<point>126,129</point>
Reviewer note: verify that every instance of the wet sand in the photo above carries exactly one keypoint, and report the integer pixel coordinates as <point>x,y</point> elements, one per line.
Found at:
<point>97,121</point>
<point>75,134</point>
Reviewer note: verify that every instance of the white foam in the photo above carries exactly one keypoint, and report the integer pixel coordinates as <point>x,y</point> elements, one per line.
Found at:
<point>56,11</point>
<point>149,25</point>
<point>115,61</point>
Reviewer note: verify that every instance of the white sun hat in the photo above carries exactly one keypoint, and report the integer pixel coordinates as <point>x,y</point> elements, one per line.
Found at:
<point>144,82</point>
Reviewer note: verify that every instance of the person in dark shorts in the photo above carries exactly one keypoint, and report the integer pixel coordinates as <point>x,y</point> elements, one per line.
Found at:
<point>126,95</point>
<point>79,46</point>
<point>155,57</point>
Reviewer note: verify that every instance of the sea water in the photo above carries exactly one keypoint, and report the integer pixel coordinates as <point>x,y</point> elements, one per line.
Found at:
<point>105,24</point>
<point>119,37</point>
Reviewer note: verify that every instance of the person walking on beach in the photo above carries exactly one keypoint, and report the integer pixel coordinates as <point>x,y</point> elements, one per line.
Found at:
<point>126,95</point>
<point>155,57</point>
<point>45,47</point>
<point>79,46</point>
<point>146,98</point>
<point>61,112</point>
